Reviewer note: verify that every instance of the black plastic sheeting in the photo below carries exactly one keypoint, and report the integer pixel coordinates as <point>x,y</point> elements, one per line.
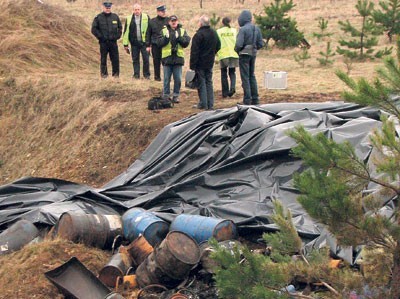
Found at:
<point>229,163</point>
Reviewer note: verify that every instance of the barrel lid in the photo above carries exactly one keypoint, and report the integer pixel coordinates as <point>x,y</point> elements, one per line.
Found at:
<point>183,247</point>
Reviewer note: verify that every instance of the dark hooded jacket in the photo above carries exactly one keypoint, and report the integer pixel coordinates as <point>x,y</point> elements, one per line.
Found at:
<point>205,45</point>
<point>249,36</point>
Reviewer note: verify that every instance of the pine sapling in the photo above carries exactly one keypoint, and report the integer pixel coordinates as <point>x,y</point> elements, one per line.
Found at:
<point>323,25</point>
<point>302,57</point>
<point>325,59</point>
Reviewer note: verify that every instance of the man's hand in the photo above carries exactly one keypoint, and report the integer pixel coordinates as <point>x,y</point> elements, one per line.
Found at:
<point>167,34</point>
<point>148,49</point>
<point>127,50</point>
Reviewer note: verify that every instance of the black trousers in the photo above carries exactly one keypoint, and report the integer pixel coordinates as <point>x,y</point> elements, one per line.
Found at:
<point>109,48</point>
<point>156,52</point>
<point>138,49</point>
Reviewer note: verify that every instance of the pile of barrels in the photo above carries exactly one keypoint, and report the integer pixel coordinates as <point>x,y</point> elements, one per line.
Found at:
<point>153,251</point>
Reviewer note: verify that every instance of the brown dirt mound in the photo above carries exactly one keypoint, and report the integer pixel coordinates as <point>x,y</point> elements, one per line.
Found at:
<point>39,36</point>
<point>23,271</point>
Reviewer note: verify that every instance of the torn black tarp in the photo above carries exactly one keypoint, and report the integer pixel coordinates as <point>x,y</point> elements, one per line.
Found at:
<point>229,163</point>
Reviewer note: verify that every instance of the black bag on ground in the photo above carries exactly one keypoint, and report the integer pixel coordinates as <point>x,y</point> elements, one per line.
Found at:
<point>159,103</point>
<point>191,79</point>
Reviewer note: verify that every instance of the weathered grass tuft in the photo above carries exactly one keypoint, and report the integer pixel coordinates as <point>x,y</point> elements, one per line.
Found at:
<point>40,36</point>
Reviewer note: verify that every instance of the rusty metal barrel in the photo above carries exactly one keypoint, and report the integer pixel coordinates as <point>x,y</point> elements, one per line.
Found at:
<point>171,261</point>
<point>203,228</point>
<point>137,221</point>
<point>17,235</point>
<point>117,266</point>
<point>138,250</point>
<point>90,229</point>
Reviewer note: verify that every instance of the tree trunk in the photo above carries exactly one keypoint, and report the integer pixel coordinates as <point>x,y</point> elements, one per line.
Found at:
<point>395,280</point>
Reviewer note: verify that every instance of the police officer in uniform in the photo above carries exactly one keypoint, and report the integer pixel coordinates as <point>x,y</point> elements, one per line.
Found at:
<point>228,58</point>
<point>153,33</point>
<point>107,28</point>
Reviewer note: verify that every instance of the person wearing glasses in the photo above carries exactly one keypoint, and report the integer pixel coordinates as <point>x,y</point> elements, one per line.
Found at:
<point>107,28</point>
<point>172,41</point>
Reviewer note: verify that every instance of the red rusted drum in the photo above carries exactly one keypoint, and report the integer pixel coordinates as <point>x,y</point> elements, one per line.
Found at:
<point>203,228</point>
<point>90,229</point>
<point>139,249</point>
<point>117,266</point>
<point>171,262</point>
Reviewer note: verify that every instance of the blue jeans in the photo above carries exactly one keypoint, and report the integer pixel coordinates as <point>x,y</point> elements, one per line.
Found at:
<point>205,88</point>
<point>174,70</point>
<point>249,82</point>
<point>226,90</point>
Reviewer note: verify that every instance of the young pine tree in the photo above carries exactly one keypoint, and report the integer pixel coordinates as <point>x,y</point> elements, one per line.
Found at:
<point>302,57</point>
<point>332,187</point>
<point>325,58</point>
<point>276,25</point>
<point>322,25</point>
<point>388,17</point>
<point>214,21</point>
<point>361,45</point>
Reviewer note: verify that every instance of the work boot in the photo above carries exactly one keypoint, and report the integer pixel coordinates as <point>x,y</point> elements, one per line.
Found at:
<point>175,99</point>
<point>231,92</point>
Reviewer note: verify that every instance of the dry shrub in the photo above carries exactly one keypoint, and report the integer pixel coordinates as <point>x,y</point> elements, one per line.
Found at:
<point>36,35</point>
<point>22,272</point>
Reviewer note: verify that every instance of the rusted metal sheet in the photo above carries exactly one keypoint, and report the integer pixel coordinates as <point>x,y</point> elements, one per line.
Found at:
<point>16,236</point>
<point>74,280</point>
<point>138,250</point>
<point>171,262</point>
<point>137,221</point>
<point>90,229</point>
<point>203,228</point>
<point>117,266</point>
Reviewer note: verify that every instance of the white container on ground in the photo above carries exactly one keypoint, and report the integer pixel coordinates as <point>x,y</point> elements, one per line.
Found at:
<point>275,80</point>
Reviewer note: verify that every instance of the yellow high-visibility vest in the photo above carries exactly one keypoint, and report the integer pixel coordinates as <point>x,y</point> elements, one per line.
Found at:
<point>144,24</point>
<point>167,50</point>
<point>227,36</point>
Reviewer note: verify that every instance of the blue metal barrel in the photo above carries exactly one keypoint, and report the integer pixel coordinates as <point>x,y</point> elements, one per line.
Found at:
<point>202,228</point>
<point>17,235</point>
<point>137,221</point>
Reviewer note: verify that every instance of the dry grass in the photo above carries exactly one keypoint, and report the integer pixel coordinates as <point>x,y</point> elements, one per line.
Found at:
<point>59,120</point>
<point>22,272</point>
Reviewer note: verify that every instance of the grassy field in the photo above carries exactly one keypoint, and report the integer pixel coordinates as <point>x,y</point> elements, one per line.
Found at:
<point>58,119</point>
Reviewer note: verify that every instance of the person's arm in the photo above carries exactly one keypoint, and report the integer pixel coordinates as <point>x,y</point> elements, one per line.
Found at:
<point>95,30</point>
<point>119,28</point>
<point>163,39</point>
<point>184,40</point>
<point>239,41</point>
<point>218,42</point>
<point>194,52</point>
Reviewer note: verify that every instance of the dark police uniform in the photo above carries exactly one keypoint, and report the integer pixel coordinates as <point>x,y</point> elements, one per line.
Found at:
<point>153,34</point>
<point>107,28</point>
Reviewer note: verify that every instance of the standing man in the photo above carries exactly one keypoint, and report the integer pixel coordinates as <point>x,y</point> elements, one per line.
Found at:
<point>228,58</point>
<point>248,41</point>
<point>153,34</point>
<point>107,28</point>
<point>205,45</point>
<point>135,33</point>
<point>172,41</point>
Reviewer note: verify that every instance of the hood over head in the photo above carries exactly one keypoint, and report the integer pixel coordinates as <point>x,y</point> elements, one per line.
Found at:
<point>244,17</point>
